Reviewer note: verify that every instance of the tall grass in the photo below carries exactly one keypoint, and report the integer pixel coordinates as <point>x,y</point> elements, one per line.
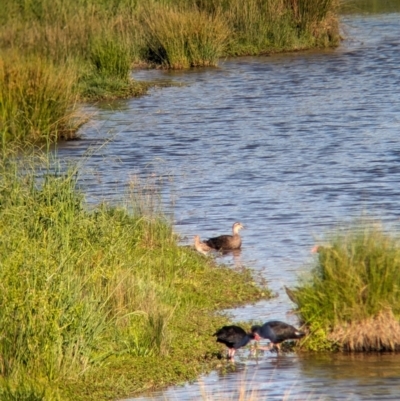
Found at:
<point>37,99</point>
<point>97,42</point>
<point>61,30</point>
<point>110,57</point>
<point>352,299</point>
<point>183,38</point>
<point>251,27</point>
<point>84,294</point>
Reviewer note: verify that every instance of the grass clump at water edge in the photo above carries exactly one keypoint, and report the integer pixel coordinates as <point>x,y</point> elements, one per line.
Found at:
<point>100,304</point>
<point>179,38</point>
<point>94,44</point>
<point>37,100</point>
<point>351,301</point>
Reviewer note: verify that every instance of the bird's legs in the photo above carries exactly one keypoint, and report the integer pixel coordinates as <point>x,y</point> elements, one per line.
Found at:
<point>231,353</point>
<point>267,348</point>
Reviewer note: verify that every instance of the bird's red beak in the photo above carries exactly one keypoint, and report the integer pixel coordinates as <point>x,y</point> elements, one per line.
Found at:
<point>257,337</point>
<point>315,249</point>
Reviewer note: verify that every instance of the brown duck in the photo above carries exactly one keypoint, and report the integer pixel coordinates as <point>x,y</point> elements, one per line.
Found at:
<point>201,246</point>
<point>227,242</point>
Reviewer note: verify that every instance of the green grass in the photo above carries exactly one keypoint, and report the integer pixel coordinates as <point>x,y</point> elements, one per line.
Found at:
<point>178,38</point>
<point>89,47</point>
<point>351,300</point>
<point>276,25</point>
<point>103,303</point>
<point>37,98</point>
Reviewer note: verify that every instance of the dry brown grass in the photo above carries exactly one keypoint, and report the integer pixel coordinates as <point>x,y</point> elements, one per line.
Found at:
<point>378,333</point>
<point>351,300</point>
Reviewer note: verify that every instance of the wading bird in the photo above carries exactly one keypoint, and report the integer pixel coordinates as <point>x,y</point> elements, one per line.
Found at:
<point>227,242</point>
<point>276,332</point>
<point>233,337</point>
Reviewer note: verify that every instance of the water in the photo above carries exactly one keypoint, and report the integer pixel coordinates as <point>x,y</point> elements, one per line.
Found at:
<point>290,145</point>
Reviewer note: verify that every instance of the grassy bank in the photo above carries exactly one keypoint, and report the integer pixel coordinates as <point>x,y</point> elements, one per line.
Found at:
<point>351,301</point>
<point>89,47</point>
<point>101,304</point>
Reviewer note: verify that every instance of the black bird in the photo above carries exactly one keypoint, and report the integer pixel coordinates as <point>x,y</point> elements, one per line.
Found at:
<point>276,332</point>
<point>227,242</point>
<point>233,337</point>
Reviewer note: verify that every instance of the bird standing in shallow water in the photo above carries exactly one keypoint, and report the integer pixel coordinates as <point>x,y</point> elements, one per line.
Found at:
<point>233,337</point>
<point>201,246</point>
<point>227,242</point>
<point>276,332</point>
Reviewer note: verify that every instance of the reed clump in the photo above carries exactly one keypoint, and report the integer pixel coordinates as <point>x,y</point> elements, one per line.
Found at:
<point>179,38</point>
<point>196,32</point>
<point>89,47</point>
<point>86,295</point>
<point>37,98</point>
<point>96,43</point>
<point>352,299</point>
<point>234,27</point>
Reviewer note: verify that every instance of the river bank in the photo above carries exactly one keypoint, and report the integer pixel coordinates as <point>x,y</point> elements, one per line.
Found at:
<point>89,297</point>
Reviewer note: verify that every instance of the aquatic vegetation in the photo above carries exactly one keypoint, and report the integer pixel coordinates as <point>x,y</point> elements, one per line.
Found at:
<point>351,301</point>
<point>96,43</point>
<point>279,25</point>
<point>37,100</point>
<point>183,37</point>
<point>86,295</point>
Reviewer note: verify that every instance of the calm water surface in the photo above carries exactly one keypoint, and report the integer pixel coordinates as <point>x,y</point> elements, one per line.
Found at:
<point>291,146</point>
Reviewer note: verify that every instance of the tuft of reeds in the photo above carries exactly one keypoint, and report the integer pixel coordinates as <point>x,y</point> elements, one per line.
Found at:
<point>37,100</point>
<point>109,64</point>
<point>261,26</point>
<point>87,48</point>
<point>110,56</point>
<point>181,38</point>
<point>351,300</point>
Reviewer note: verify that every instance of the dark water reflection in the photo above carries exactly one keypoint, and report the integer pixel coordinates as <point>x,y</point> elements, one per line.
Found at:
<point>289,145</point>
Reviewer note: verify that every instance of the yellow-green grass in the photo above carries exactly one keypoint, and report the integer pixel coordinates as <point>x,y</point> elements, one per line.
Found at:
<point>89,47</point>
<point>267,26</point>
<point>351,301</point>
<point>103,303</point>
<point>199,31</point>
<point>37,99</point>
<point>177,37</point>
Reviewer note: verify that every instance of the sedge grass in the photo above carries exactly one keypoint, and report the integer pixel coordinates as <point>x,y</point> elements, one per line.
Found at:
<point>102,303</point>
<point>37,100</point>
<point>209,28</point>
<point>352,299</point>
<point>93,45</point>
<point>180,38</point>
